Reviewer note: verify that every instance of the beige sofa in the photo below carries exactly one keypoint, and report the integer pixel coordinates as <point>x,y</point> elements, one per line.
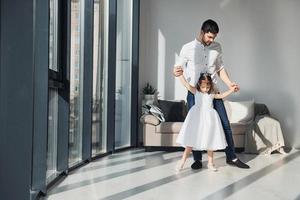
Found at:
<point>164,134</point>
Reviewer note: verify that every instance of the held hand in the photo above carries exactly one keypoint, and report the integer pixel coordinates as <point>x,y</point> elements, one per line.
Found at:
<point>233,88</point>
<point>236,86</point>
<point>177,71</point>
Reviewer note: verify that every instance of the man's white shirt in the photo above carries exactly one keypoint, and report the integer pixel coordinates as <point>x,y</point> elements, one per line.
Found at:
<point>196,58</point>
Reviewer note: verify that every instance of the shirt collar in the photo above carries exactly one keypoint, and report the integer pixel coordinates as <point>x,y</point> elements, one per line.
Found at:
<point>198,43</point>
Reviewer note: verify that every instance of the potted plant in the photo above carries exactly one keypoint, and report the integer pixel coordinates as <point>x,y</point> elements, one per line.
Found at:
<point>149,93</point>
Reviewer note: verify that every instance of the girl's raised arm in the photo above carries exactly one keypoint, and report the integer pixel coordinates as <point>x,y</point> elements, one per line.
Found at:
<point>187,85</point>
<point>225,94</point>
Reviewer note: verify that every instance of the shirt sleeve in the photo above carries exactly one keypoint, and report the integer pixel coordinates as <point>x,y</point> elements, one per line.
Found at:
<point>181,60</point>
<point>219,61</point>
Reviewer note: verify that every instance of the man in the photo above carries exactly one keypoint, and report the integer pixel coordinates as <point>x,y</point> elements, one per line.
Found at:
<point>205,55</point>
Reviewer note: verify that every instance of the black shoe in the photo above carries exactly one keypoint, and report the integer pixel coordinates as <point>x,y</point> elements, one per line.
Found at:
<point>238,164</point>
<point>197,164</point>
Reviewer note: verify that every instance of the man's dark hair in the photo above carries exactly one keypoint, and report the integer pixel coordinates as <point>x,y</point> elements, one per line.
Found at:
<point>210,26</point>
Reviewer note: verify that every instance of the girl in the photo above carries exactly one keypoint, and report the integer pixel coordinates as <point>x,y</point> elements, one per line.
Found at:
<point>202,128</point>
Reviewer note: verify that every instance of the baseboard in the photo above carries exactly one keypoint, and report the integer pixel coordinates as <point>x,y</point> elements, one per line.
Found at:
<point>161,148</point>
<point>239,149</point>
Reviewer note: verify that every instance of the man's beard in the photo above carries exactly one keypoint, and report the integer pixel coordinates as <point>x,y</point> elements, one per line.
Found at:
<point>207,43</point>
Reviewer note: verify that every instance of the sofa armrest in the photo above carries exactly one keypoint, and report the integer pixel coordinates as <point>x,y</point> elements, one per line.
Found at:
<point>149,119</point>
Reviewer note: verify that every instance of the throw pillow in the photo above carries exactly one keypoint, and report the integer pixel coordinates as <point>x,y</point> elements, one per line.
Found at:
<point>174,111</point>
<point>153,110</point>
<point>240,112</point>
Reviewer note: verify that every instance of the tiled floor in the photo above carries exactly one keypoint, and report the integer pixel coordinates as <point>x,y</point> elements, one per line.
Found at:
<point>139,175</point>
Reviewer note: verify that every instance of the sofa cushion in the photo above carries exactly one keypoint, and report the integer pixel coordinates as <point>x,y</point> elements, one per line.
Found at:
<point>169,127</point>
<point>240,112</point>
<point>174,111</point>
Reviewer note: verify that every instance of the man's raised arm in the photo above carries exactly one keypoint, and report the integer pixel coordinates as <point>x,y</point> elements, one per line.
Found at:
<point>225,78</point>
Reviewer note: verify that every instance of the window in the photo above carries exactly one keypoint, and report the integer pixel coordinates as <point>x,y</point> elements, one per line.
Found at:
<point>52,94</point>
<point>99,77</point>
<point>123,74</point>
<point>53,35</point>
<point>52,135</point>
<point>76,82</point>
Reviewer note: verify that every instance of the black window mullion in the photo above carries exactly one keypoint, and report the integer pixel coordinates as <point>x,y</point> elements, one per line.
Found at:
<point>135,73</point>
<point>40,120</point>
<point>112,31</point>
<point>87,81</point>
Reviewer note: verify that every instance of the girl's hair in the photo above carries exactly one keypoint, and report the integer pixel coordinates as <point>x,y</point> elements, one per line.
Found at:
<point>206,77</point>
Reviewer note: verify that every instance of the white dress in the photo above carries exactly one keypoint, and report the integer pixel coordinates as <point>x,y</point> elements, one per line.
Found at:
<point>202,128</point>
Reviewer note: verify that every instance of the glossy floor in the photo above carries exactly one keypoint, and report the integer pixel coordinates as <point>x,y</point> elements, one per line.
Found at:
<point>139,175</point>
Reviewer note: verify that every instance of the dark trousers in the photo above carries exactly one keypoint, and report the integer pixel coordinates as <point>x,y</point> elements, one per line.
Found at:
<point>220,108</point>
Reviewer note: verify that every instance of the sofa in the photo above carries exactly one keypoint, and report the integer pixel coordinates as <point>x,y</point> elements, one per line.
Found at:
<point>163,134</point>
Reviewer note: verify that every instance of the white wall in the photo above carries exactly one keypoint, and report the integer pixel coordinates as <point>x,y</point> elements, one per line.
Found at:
<point>261,46</point>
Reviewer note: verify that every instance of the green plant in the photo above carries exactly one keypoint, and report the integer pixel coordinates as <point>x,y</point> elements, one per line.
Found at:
<point>148,89</point>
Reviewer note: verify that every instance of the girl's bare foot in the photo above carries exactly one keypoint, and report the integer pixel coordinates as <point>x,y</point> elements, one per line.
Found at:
<point>212,167</point>
<point>179,166</point>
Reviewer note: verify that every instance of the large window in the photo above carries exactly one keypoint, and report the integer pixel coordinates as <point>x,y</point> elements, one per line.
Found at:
<point>76,82</point>
<point>123,74</point>
<point>60,29</point>
<point>99,111</point>
<point>86,76</point>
